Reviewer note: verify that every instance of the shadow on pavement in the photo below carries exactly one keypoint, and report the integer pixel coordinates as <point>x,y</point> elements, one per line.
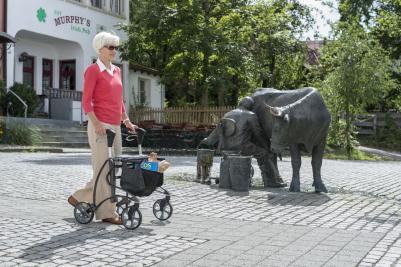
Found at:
<point>297,199</point>
<point>280,196</point>
<point>93,232</point>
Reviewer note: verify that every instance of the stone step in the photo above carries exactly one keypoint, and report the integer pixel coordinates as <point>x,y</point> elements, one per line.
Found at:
<point>59,128</point>
<point>66,144</point>
<point>64,136</point>
<point>43,122</point>
<point>52,138</point>
<point>59,132</point>
<point>56,133</point>
<point>79,139</point>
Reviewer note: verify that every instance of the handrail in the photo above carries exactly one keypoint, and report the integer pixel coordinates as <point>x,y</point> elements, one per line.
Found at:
<point>22,101</point>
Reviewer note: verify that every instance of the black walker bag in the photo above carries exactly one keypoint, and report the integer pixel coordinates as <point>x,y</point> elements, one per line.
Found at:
<point>139,182</point>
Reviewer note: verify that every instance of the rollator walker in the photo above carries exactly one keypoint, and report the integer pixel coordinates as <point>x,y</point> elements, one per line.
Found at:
<point>134,180</point>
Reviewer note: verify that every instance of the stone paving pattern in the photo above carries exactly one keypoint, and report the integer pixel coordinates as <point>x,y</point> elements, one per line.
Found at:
<point>357,223</point>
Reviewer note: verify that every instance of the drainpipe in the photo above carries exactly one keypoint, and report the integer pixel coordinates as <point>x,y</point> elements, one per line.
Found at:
<point>5,45</point>
<point>161,95</point>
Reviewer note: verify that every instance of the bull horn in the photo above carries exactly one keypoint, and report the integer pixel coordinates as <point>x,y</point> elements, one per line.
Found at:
<point>269,107</point>
<point>273,110</point>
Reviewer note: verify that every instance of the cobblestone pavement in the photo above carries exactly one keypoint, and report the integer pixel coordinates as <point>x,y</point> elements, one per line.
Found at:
<point>356,223</point>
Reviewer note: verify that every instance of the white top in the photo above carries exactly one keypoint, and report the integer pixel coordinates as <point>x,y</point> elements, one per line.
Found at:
<point>102,67</point>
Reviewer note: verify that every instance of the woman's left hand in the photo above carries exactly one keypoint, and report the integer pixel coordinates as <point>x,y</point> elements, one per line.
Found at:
<point>131,127</point>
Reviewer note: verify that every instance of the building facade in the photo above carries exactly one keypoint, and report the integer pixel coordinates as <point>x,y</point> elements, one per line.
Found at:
<point>54,46</point>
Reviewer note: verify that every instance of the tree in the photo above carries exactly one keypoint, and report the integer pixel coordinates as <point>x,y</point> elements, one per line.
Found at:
<point>182,39</point>
<point>217,49</point>
<point>387,30</point>
<point>382,18</point>
<point>359,73</point>
<point>277,52</point>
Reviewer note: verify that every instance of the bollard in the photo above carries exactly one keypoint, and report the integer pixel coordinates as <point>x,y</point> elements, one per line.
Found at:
<point>240,172</point>
<point>204,162</point>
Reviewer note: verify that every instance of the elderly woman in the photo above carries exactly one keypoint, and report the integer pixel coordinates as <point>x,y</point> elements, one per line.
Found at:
<point>102,101</point>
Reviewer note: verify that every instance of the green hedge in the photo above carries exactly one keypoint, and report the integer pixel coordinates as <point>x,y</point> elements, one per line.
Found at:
<point>26,93</point>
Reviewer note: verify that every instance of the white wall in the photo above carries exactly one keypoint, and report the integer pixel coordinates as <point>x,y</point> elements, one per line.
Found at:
<point>155,97</point>
<point>55,41</point>
<point>62,51</point>
<point>22,16</point>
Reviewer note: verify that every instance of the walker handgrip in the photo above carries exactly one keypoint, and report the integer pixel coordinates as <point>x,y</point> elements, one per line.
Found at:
<point>110,137</point>
<point>141,134</point>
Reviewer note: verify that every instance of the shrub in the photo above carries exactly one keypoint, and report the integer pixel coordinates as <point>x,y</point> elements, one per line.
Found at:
<point>27,94</point>
<point>337,137</point>
<point>390,135</point>
<point>21,134</point>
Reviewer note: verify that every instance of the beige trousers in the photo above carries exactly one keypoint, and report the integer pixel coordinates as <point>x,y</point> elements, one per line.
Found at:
<point>98,145</point>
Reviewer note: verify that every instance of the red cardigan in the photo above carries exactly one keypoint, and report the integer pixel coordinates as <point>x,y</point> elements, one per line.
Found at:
<point>103,94</point>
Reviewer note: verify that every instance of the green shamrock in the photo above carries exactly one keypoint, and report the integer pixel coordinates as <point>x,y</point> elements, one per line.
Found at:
<point>41,15</point>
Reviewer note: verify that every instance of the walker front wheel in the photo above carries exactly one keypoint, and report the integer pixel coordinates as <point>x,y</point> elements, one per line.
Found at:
<point>83,213</point>
<point>162,209</point>
<point>131,218</point>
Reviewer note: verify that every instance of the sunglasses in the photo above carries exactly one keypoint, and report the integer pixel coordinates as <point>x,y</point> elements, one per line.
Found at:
<point>111,47</point>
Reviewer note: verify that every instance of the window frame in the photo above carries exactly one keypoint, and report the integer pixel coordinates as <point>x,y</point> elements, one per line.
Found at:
<point>29,70</point>
<point>120,9</point>
<point>145,92</point>
<point>50,72</point>
<point>100,3</point>
<point>61,62</point>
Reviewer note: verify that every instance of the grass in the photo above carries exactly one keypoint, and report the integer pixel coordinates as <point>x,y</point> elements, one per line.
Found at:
<point>391,144</point>
<point>356,155</point>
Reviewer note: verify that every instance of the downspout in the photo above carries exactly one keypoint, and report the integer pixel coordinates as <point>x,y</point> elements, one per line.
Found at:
<point>161,95</point>
<point>4,67</point>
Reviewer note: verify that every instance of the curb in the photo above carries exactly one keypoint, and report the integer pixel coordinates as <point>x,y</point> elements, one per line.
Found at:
<point>31,149</point>
<point>126,150</point>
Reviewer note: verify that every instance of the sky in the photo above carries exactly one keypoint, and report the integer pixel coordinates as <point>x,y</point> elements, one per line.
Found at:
<point>321,15</point>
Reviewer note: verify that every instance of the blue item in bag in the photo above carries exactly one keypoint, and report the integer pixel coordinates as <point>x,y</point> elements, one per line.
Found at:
<point>150,165</point>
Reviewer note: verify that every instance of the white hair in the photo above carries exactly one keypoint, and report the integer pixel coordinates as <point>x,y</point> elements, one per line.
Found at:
<point>103,39</point>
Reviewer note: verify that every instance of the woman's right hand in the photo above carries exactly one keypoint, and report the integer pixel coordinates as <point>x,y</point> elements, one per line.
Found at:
<point>99,129</point>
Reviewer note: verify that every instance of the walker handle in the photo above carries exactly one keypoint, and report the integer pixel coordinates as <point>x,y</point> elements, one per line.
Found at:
<point>140,134</point>
<point>110,137</point>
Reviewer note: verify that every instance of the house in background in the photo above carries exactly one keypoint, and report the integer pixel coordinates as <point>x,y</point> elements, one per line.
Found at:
<point>146,88</point>
<point>314,50</point>
<point>54,46</point>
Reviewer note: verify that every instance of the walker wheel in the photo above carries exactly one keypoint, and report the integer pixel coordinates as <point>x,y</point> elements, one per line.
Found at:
<point>131,218</point>
<point>162,209</point>
<point>83,213</point>
<point>120,206</point>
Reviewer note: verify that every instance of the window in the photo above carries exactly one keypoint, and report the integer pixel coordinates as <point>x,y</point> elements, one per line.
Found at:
<point>47,73</point>
<point>117,6</point>
<point>96,3</point>
<point>28,71</point>
<point>67,74</point>
<point>142,92</point>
